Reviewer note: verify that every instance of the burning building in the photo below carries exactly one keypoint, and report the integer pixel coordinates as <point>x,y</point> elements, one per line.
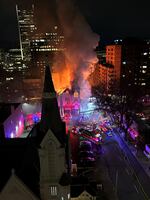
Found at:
<point>69,103</point>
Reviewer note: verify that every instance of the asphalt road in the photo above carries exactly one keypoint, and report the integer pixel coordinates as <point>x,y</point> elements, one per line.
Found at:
<point>138,172</point>
<point>123,178</point>
<point>126,185</point>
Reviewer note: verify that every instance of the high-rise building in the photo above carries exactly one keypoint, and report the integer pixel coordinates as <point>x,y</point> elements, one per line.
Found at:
<point>127,68</point>
<point>36,48</point>
<point>44,47</point>
<point>110,71</point>
<point>26,29</point>
<point>106,78</point>
<point>113,57</point>
<point>135,70</point>
<point>47,46</point>
<point>12,72</point>
<point>94,77</point>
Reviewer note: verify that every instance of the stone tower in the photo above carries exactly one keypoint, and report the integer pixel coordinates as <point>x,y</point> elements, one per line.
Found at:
<point>54,176</point>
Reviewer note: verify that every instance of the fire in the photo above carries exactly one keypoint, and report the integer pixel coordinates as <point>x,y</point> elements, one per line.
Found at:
<point>64,76</point>
<point>62,80</point>
<point>74,67</point>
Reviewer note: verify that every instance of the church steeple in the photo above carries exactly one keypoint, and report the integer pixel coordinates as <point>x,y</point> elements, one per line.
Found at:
<point>48,83</point>
<point>50,117</point>
<point>53,146</point>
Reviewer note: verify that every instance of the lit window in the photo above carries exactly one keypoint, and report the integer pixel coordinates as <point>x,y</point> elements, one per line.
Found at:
<point>16,128</point>
<point>144,66</point>
<point>10,78</point>
<point>124,62</point>
<point>143,71</point>
<point>11,135</point>
<point>69,196</point>
<point>143,83</point>
<point>145,53</point>
<point>53,190</point>
<point>123,75</point>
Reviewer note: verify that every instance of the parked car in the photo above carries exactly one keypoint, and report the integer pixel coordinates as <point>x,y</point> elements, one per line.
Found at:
<point>86,158</point>
<point>85,145</point>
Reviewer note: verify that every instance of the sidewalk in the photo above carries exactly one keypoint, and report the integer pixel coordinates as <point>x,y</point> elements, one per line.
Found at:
<point>138,153</point>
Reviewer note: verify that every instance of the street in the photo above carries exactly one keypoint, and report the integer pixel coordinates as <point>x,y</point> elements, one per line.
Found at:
<point>118,170</point>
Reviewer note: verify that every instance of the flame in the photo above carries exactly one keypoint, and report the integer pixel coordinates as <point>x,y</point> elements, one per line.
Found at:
<point>63,76</point>
<point>62,79</point>
<point>75,63</point>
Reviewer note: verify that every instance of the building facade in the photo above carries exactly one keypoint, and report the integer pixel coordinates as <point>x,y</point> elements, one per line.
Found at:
<point>111,70</point>
<point>135,70</point>
<point>26,29</point>
<point>16,189</point>
<point>41,160</point>
<point>126,69</point>
<point>45,47</point>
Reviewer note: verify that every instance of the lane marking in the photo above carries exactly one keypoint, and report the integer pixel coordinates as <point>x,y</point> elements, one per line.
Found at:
<point>145,194</point>
<point>136,189</point>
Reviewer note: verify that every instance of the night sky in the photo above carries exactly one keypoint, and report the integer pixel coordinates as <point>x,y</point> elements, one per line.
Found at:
<point>110,19</point>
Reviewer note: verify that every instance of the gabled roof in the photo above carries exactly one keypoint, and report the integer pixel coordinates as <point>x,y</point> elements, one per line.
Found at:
<point>47,138</point>
<point>22,155</point>
<point>77,190</point>
<point>15,189</point>
<point>48,83</point>
<point>81,184</point>
<point>38,133</point>
<point>50,139</point>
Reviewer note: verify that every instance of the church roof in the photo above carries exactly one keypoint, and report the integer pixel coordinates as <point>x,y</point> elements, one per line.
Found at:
<point>20,190</point>
<point>77,190</point>
<point>80,184</point>
<point>20,154</point>
<point>48,82</point>
<point>38,133</point>
<point>50,118</point>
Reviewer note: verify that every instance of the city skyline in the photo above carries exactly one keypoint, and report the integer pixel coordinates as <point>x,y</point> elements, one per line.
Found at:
<point>109,20</point>
<point>74,100</point>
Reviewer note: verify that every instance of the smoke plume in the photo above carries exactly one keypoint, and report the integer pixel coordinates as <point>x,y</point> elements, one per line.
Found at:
<point>80,42</point>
